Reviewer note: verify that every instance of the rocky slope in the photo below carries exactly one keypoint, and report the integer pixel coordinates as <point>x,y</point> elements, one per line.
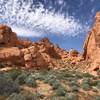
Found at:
<point>28,54</point>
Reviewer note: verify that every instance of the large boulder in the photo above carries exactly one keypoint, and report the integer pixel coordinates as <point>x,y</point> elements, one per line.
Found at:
<point>11,56</point>
<point>45,46</point>
<point>73,53</point>
<point>7,37</point>
<point>33,58</point>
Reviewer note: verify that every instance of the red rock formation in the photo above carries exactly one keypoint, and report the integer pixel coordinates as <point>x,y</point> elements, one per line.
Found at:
<point>33,58</point>
<point>15,51</point>
<point>73,53</point>
<point>92,43</point>
<point>11,56</point>
<point>7,37</point>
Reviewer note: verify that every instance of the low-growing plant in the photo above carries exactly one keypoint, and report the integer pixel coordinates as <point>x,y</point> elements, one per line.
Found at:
<point>58,98</point>
<point>54,83</point>
<point>71,97</point>
<point>7,85</point>
<point>87,75</point>
<point>21,78</point>
<point>30,81</point>
<point>61,91</point>
<point>16,96</point>
<point>24,96</point>
<point>98,84</point>
<point>86,86</point>
<point>14,73</point>
<point>74,88</point>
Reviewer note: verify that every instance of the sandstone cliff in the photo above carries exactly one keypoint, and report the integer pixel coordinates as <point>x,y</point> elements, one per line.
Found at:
<point>15,51</point>
<point>92,44</point>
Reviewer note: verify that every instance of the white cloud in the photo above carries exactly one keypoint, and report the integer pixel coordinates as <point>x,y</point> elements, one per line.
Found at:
<point>25,32</point>
<point>40,22</point>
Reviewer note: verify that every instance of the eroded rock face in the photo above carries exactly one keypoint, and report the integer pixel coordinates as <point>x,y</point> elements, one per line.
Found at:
<point>33,58</point>
<point>38,55</point>
<point>92,43</point>
<point>73,53</point>
<point>7,37</point>
<point>11,56</point>
<point>16,51</point>
<point>45,46</point>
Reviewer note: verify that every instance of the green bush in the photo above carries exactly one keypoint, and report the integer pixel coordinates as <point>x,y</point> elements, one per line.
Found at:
<point>60,91</point>
<point>54,83</point>
<point>94,83</point>
<point>71,97</point>
<point>21,78</point>
<point>58,98</point>
<point>74,88</point>
<point>14,73</point>
<point>15,96</point>
<point>73,82</point>
<point>7,85</point>
<point>30,81</point>
<point>86,86</point>
<point>24,96</point>
<point>87,75</point>
<point>98,84</point>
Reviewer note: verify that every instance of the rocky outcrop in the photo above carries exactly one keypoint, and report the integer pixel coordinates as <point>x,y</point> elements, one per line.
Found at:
<point>33,58</point>
<point>16,51</point>
<point>92,44</point>
<point>7,37</point>
<point>73,53</point>
<point>11,56</point>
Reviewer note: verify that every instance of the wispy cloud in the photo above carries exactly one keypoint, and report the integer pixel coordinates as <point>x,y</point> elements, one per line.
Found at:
<point>38,21</point>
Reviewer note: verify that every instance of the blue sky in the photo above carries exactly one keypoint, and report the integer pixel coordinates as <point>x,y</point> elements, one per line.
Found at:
<point>64,22</point>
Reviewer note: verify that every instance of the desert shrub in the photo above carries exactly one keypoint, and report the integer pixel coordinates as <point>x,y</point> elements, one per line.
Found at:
<point>61,91</point>
<point>74,88</point>
<point>49,78</point>
<point>7,85</point>
<point>73,82</point>
<point>40,75</point>
<point>87,75</point>
<point>58,98</point>
<point>66,73</point>
<point>86,86</point>
<point>54,83</point>
<point>94,83</point>
<point>16,96</point>
<point>79,75</point>
<point>14,73</point>
<point>30,81</point>
<point>24,96</point>
<point>71,97</point>
<point>98,84</point>
<point>21,78</point>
